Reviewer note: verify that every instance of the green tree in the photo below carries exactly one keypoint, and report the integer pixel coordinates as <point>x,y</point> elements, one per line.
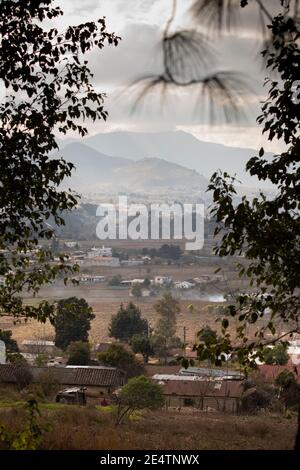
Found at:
<point>127,322</point>
<point>160,348</point>
<point>136,290</point>
<point>79,353</point>
<point>142,344</point>
<point>10,343</point>
<point>118,356</point>
<point>115,280</point>
<point>277,355</point>
<point>49,92</point>
<point>140,393</point>
<point>170,251</point>
<point>167,309</point>
<point>72,321</point>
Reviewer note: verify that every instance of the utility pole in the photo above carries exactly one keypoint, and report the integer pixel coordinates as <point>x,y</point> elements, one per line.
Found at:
<point>184,339</point>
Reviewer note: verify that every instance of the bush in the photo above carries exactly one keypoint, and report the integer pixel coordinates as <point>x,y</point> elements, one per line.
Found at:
<point>257,398</point>
<point>115,280</point>
<point>118,356</point>
<point>140,393</point>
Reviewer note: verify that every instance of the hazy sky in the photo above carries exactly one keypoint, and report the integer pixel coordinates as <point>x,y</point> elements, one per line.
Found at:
<point>140,24</point>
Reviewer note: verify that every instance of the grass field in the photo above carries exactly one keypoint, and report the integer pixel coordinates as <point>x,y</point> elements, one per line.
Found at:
<point>103,310</point>
<point>89,428</point>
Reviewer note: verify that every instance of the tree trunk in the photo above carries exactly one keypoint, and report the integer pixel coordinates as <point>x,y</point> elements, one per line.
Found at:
<point>297,441</point>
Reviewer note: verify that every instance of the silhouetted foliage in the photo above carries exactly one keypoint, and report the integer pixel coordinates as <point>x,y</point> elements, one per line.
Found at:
<point>48,92</point>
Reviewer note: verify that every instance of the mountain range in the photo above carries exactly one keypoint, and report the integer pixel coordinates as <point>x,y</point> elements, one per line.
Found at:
<point>97,172</point>
<point>136,161</point>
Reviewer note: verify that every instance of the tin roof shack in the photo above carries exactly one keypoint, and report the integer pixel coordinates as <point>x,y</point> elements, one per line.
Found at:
<point>205,395</point>
<point>71,396</point>
<point>98,381</point>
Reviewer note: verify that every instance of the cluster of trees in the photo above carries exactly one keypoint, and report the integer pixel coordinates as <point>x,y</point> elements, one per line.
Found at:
<point>128,326</point>
<point>165,251</point>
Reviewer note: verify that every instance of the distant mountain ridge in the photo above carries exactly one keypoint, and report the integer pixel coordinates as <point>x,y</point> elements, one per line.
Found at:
<point>97,172</point>
<point>177,147</point>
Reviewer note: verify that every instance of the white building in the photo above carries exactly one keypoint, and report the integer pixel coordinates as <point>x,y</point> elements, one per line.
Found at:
<point>163,280</point>
<point>184,285</point>
<point>86,278</point>
<point>96,252</point>
<point>71,244</point>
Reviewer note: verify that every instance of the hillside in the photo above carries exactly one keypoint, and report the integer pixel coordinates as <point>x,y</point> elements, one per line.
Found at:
<point>96,171</point>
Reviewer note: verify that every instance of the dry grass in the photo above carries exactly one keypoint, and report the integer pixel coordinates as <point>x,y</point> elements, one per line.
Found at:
<point>87,428</point>
<point>105,308</point>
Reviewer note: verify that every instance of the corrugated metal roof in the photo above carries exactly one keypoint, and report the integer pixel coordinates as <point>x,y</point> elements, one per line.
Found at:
<point>208,372</point>
<point>39,342</point>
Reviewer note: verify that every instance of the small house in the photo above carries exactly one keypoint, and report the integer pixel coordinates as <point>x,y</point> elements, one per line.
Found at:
<point>205,395</point>
<point>98,381</point>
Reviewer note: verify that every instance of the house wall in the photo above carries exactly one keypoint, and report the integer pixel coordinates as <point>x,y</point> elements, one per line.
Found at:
<point>98,392</point>
<point>228,404</point>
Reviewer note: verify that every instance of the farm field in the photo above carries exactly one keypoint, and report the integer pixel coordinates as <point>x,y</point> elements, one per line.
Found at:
<point>106,300</point>
<point>103,310</point>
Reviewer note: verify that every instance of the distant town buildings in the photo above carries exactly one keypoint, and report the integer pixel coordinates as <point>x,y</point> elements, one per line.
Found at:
<point>109,261</point>
<point>100,252</point>
<point>163,280</point>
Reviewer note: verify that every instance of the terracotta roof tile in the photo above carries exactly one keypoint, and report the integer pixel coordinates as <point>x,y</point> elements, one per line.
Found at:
<point>97,376</point>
